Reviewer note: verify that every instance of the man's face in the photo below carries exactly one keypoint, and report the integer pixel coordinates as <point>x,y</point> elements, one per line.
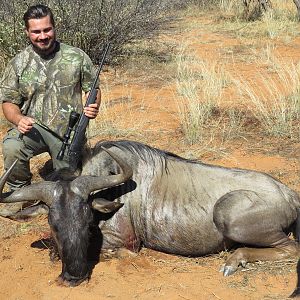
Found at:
<point>41,34</point>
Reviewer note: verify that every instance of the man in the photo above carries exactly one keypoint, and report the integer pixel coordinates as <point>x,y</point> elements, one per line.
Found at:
<point>40,87</point>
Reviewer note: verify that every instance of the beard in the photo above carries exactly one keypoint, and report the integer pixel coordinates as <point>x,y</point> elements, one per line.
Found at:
<point>46,50</point>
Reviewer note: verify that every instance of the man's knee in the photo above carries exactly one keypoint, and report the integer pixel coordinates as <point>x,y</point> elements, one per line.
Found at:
<point>14,149</point>
<point>11,148</point>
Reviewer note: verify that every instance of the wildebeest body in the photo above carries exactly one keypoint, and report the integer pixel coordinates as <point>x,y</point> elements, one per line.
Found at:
<point>190,208</point>
<point>151,198</point>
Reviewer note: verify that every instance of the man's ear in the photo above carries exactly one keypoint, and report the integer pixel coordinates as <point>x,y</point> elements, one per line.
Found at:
<point>106,206</point>
<point>26,32</point>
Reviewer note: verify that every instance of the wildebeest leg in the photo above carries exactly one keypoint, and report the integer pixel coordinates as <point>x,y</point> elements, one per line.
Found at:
<point>118,253</point>
<point>247,218</point>
<point>119,238</point>
<point>244,255</point>
<point>119,242</point>
<point>31,211</point>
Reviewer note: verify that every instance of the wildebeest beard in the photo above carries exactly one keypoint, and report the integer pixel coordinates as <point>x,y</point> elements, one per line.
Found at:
<point>70,218</point>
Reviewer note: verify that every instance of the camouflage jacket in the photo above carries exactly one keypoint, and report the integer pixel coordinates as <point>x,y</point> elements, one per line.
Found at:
<point>48,89</point>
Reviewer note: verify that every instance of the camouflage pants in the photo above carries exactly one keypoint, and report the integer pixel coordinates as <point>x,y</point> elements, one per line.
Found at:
<point>37,141</point>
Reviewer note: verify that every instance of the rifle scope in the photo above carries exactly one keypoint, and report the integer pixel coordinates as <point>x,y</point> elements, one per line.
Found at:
<point>74,116</point>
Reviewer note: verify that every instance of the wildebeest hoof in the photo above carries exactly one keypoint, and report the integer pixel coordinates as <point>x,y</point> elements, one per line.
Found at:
<point>125,253</point>
<point>10,209</point>
<point>31,211</point>
<point>228,270</point>
<point>117,253</point>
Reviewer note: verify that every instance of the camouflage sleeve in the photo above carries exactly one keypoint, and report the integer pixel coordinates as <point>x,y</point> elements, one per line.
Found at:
<point>9,91</point>
<point>88,73</point>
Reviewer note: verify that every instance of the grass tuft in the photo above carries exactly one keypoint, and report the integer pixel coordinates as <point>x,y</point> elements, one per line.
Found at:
<point>200,87</point>
<point>276,103</point>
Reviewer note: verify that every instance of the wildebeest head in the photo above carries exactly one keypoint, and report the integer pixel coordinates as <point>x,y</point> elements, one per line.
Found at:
<point>70,214</point>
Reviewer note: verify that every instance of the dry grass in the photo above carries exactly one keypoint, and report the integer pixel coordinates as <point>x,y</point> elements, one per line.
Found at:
<point>113,122</point>
<point>280,22</point>
<point>200,87</point>
<point>277,103</point>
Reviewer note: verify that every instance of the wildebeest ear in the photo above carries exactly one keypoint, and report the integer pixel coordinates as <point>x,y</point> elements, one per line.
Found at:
<point>106,206</point>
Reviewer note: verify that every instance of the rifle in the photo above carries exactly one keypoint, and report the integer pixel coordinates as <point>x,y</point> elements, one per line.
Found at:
<point>82,121</point>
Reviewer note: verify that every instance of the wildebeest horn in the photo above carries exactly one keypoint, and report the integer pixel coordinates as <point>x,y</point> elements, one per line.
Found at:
<point>34,192</point>
<point>84,185</point>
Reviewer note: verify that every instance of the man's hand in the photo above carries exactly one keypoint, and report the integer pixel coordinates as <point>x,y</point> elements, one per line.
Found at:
<point>91,111</point>
<point>25,124</point>
<point>14,115</point>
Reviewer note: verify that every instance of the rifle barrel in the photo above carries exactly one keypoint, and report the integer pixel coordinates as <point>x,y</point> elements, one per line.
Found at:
<point>78,139</point>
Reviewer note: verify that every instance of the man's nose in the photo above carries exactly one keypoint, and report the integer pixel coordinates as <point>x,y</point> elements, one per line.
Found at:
<point>43,35</point>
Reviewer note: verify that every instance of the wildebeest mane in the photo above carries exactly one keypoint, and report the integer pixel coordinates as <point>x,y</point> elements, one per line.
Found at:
<point>144,151</point>
<point>150,155</point>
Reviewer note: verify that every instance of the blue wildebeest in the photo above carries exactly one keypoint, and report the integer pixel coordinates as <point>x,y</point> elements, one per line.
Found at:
<point>170,204</point>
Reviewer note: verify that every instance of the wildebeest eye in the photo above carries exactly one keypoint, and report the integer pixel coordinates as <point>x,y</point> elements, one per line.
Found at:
<point>85,208</point>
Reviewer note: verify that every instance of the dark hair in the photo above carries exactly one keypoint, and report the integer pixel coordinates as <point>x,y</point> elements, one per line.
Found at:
<point>37,12</point>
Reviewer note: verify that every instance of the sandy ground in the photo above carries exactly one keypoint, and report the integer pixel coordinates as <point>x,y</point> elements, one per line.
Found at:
<point>27,272</point>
